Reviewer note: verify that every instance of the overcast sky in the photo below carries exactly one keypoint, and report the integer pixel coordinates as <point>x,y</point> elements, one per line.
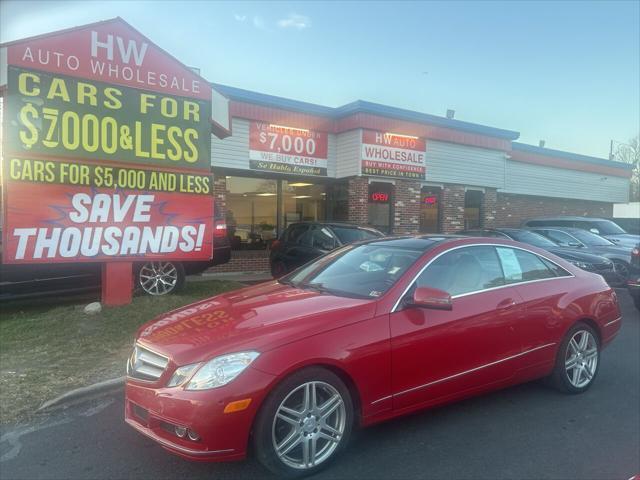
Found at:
<point>568,73</point>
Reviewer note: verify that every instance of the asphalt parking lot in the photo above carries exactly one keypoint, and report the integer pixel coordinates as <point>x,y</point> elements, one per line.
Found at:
<point>525,432</point>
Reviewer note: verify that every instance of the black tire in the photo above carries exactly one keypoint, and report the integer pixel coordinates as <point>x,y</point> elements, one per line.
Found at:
<point>278,268</point>
<point>266,431</point>
<point>171,277</point>
<point>560,376</point>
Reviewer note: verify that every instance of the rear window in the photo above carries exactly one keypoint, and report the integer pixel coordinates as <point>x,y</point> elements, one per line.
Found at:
<point>349,235</point>
<point>295,232</point>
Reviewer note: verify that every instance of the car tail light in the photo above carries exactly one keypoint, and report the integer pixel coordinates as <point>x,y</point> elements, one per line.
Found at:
<point>220,229</point>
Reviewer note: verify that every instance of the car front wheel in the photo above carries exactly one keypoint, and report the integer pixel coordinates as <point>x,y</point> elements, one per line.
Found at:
<point>578,360</point>
<point>160,278</point>
<point>304,424</point>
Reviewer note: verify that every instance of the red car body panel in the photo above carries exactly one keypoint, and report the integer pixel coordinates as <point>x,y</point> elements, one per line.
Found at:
<point>394,362</point>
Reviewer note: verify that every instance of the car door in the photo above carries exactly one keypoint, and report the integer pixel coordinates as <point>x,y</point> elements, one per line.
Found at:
<point>542,285</point>
<point>437,353</point>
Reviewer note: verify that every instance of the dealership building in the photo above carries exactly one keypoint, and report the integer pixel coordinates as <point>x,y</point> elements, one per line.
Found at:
<point>401,171</point>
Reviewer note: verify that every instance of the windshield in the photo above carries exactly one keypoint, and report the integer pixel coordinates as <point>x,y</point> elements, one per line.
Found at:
<point>532,238</point>
<point>608,228</point>
<point>350,235</point>
<point>365,271</point>
<point>591,239</point>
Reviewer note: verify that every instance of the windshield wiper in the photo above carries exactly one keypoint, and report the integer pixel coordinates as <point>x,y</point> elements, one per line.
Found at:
<point>318,287</point>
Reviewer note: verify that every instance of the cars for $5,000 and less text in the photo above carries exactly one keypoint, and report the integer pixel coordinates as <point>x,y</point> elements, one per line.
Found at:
<point>363,334</point>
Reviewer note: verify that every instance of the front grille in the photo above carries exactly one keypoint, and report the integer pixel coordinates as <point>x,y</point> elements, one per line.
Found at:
<point>144,364</point>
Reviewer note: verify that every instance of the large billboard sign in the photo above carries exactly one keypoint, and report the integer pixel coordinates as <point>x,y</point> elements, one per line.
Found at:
<point>284,149</point>
<point>393,155</point>
<point>106,150</point>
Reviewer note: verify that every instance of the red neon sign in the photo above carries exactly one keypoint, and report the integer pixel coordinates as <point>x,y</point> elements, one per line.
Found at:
<point>430,200</point>
<point>379,197</point>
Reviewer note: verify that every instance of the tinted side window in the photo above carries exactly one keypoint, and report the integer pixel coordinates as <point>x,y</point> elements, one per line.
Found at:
<point>521,266</point>
<point>557,270</point>
<point>295,232</point>
<point>348,235</point>
<point>321,238</point>
<point>560,238</point>
<point>464,270</point>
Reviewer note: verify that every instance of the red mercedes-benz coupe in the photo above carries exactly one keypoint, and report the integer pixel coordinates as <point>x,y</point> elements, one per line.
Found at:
<point>363,334</point>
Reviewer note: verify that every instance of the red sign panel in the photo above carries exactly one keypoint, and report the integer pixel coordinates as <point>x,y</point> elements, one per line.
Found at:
<point>110,52</point>
<point>379,197</point>
<point>392,155</point>
<point>72,224</point>
<point>430,200</point>
<point>287,149</point>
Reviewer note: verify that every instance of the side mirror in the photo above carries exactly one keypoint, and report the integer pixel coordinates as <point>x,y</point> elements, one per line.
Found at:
<point>574,244</point>
<point>427,297</point>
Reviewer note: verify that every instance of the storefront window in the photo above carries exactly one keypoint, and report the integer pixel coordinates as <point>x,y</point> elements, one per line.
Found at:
<point>380,194</point>
<point>472,209</point>
<point>338,202</point>
<point>430,210</point>
<point>251,212</point>
<point>302,201</point>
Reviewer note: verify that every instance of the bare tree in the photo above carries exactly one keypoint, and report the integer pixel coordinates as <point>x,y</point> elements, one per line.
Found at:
<point>630,153</point>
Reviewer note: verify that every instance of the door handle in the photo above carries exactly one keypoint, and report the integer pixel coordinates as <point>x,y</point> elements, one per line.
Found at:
<point>506,303</point>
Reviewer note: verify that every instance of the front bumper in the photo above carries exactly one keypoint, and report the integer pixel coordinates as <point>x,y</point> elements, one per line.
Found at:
<point>155,411</point>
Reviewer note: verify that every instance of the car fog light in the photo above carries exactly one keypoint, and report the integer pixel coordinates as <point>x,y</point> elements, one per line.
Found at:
<point>181,431</point>
<point>193,435</point>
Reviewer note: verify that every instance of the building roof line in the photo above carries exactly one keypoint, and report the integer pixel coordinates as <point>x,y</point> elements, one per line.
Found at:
<point>360,106</point>
<point>549,152</point>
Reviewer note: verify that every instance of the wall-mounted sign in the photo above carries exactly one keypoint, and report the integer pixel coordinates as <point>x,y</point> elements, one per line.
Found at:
<point>430,200</point>
<point>379,197</point>
<point>107,150</point>
<point>278,148</point>
<point>392,155</point>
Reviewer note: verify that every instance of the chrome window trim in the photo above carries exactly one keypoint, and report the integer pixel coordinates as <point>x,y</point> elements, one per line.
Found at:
<point>570,275</point>
<point>450,377</point>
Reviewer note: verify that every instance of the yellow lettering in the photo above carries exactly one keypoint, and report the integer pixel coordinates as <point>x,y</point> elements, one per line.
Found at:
<point>191,134</point>
<point>26,89</point>
<point>145,102</point>
<point>156,141</point>
<point>112,102</point>
<point>58,89</point>
<point>191,109</point>
<point>86,90</point>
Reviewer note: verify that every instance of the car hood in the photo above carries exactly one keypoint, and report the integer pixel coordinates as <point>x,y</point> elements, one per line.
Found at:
<point>261,317</point>
<point>624,239</point>
<point>573,255</point>
<point>610,251</point>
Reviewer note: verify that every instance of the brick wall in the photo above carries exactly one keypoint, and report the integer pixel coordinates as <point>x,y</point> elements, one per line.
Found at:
<point>244,261</point>
<point>452,204</point>
<point>358,200</point>
<point>489,208</point>
<point>513,209</point>
<point>406,207</point>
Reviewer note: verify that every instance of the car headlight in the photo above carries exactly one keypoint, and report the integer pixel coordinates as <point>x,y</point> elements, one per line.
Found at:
<point>582,265</point>
<point>221,370</point>
<point>182,374</point>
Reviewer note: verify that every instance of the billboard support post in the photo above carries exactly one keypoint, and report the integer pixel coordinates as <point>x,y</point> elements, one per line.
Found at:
<point>117,283</point>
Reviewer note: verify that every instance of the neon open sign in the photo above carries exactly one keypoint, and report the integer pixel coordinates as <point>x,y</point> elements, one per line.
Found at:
<point>379,197</point>
<point>430,200</point>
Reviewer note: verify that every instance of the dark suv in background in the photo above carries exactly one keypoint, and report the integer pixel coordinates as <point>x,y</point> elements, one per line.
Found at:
<point>302,242</point>
<point>600,226</point>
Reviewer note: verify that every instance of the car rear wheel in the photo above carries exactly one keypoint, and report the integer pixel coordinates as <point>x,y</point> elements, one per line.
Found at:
<point>304,424</point>
<point>160,278</point>
<point>578,360</point>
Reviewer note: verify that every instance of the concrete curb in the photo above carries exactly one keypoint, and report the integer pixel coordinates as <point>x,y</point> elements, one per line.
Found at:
<point>83,393</point>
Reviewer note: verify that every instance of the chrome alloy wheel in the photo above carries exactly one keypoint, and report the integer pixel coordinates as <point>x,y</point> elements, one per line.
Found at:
<point>309,425</point>
<point>158,278</point>
<point>581,359</point>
